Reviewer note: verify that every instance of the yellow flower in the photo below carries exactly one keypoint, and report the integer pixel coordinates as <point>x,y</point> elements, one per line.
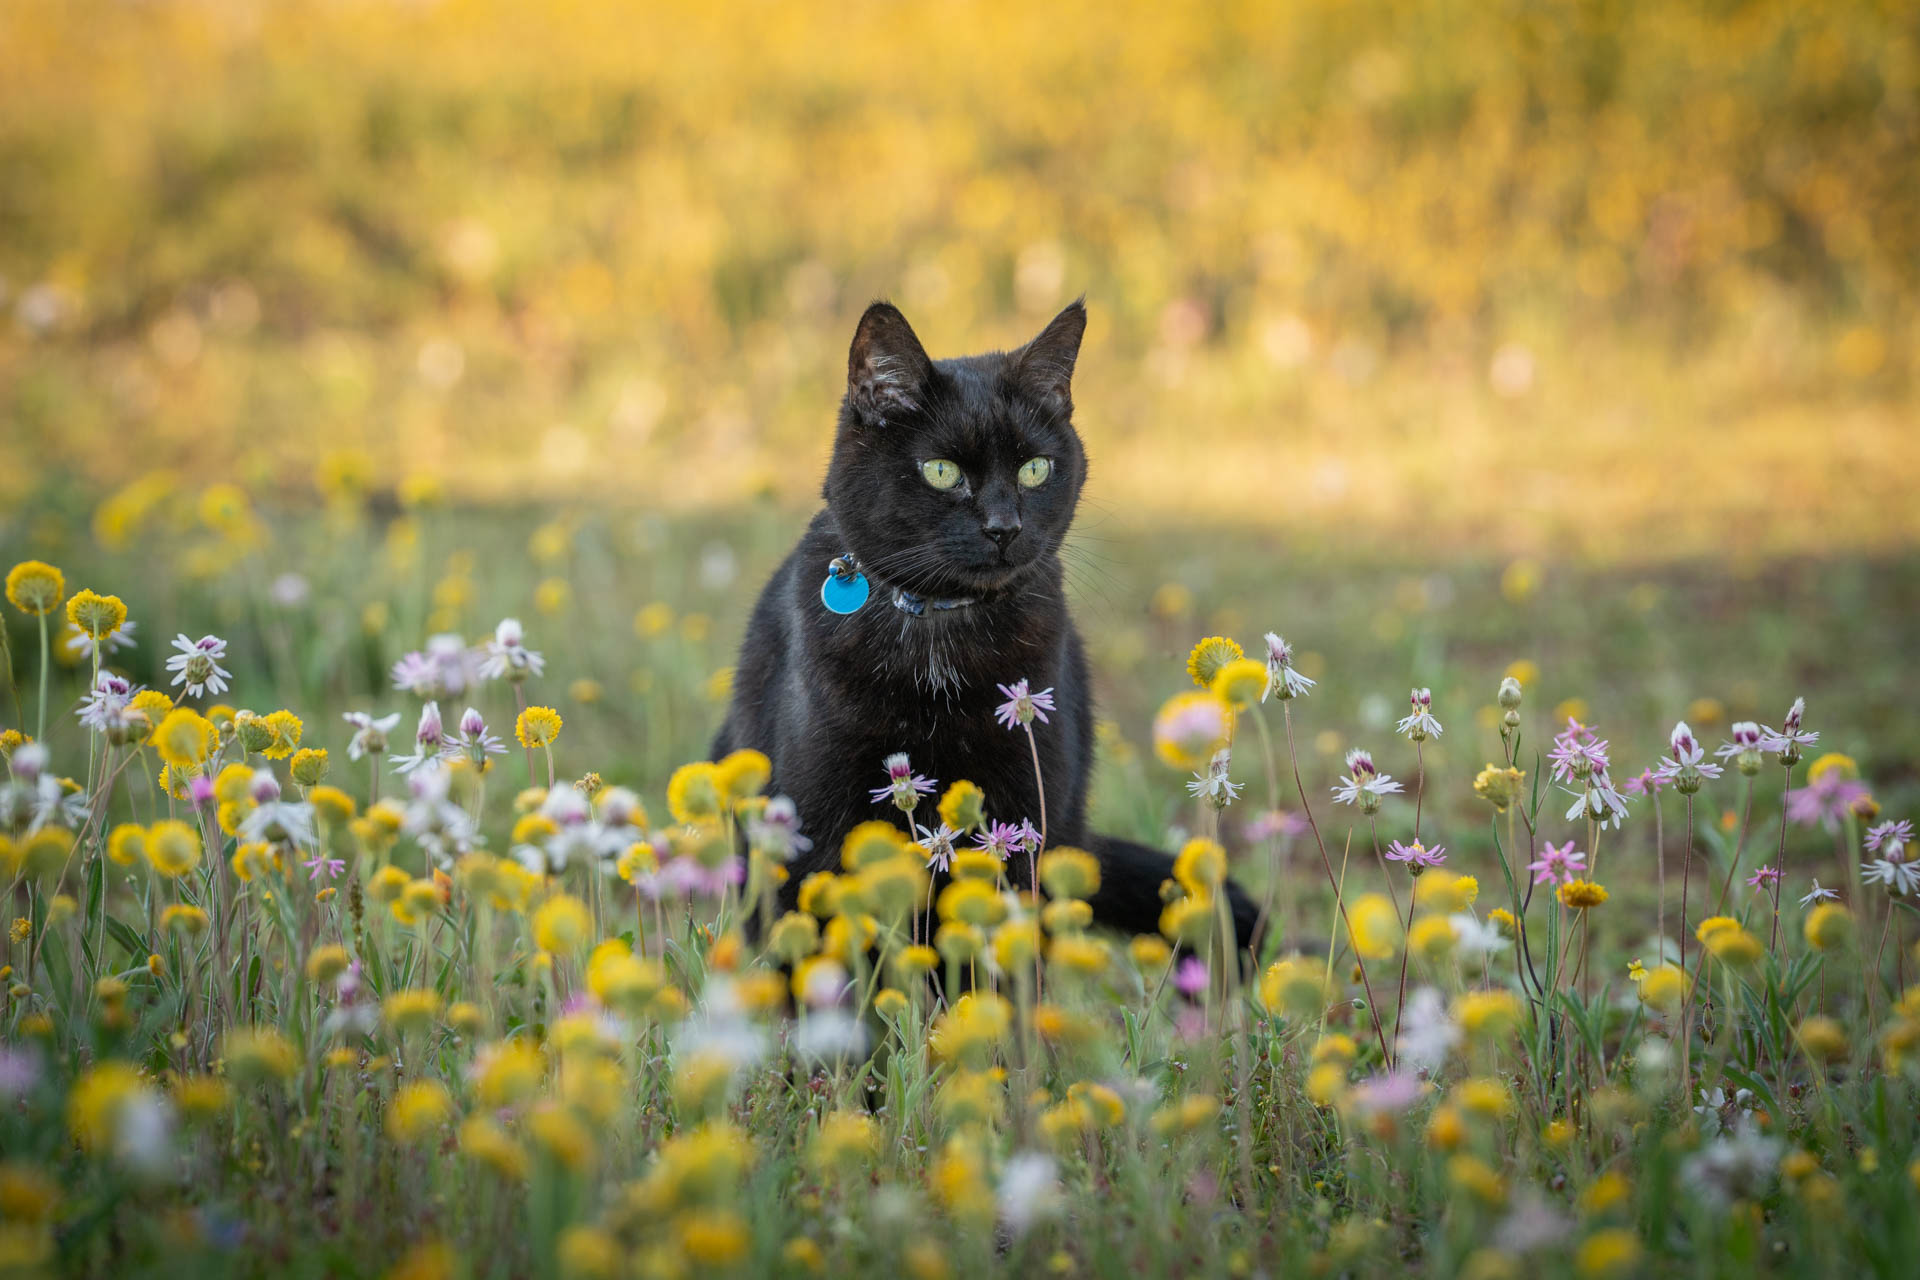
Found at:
<point>173,848</point>
<point>694,794</point>
<point>1478,1179</point>
<point>1486,1013</point>
<point>1582,895</point>
<point>309,766</point>
<point>411,1011</point>
<point>1604,1192</point>
<point>1188,920</point>
<point>418,1111</point>
<point>35,587</point>
<point>1833,762</point>
<point>1735,947</point>
<point>845,1140</point>
<point>1828,927</point>
<point>561,925</point>
<point>259,1054</point>
<point>127,844</point>
<point>1211,656</point>
<point>334,806</point>
<point>1070,873</point>
<point>963,807</point>
<point>714,1237</point>
<point>1499,786</point>
<point>1374,926</point>
<point>1200,866</point>
<point>742,774</point>
<point>1663,988</point>
<point>968,1031</point>
<point>185,918</point>
<point>100,1101</point>
<point>1294,985</point>
<point>287,729</point>
<point>1714,924</point>
<point>184,739</point>
<point>327,962</point>
<point>96,615</point>
<point>537,727</point>
<point>482,1139</point>
<point>1612,1252</point>
<point>1239,683</point>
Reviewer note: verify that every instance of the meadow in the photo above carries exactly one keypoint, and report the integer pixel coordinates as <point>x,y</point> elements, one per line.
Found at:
<point>447,377</point>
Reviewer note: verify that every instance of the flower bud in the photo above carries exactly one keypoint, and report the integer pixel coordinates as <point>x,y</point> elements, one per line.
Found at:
<point>1510,693</point>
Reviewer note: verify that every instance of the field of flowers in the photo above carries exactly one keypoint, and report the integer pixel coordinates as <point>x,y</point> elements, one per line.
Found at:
<point>364,930</point>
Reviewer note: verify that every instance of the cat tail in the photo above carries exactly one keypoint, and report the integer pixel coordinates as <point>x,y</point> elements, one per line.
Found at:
<point>1129,895</point>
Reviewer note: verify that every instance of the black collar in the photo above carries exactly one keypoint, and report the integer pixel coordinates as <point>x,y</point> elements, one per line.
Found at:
<point>907,602</point>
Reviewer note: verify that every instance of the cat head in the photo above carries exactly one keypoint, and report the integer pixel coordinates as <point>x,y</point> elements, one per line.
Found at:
<point>956,477</point>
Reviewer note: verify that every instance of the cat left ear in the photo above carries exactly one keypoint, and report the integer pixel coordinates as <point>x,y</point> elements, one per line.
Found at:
<point>887,368</point>
<point>1044,367</point>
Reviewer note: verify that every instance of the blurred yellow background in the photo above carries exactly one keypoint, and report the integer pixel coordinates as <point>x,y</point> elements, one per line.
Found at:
<point>1625,281</point>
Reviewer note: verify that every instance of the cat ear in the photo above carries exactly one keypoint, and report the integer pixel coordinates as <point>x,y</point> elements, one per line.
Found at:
<point>1044,367</point>
<point>887,368</point>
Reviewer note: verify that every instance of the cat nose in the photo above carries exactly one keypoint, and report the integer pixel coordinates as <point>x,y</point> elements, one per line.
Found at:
<point>1002,527</point>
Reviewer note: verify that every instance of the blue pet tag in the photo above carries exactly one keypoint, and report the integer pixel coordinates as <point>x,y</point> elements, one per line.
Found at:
<point>844,594</point>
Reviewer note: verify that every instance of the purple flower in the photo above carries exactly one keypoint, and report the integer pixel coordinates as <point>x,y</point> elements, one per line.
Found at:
<point>1000,839</point>
<point>1688,763</point>
<point>1363,784</point>
<point>321,867</point>
<point>1644,783</point>
<point>1274,822</point>
<point>443,670</point>
<point>430,740</point>
<point>1577,752</point>
<point>201,789</point>
<point>473,738</point>
<point>904,787</point>
<point>1764,878</point>
<point>1824,800</point>
<point>101,709</point>
<point>1890,839</point>
<point>1029,837</point>
<point>1392,1092</point>
<point>508,656</point>
<point>1597,800</point>
<point>1417,856</point>
<point>1022,707</point>
<point>1190,978</point>
<point>1560,863</point>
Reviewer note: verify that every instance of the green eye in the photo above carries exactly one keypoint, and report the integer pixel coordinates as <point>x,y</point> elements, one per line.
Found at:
<point>940,473</point>
<point>1034,472</point>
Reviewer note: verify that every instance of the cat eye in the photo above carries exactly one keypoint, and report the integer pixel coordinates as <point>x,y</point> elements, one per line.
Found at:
<point>1034,472</point>
<point>940,473</point>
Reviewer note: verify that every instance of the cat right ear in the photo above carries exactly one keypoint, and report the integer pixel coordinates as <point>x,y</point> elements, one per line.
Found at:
<point>887,368</point>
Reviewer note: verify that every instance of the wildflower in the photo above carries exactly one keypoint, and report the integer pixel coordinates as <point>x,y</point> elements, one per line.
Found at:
<point>1374,926</point>
<point>184,739</point>
<point>1029,1191</point>
<point>1577,753</point>
<point>1741,1167</point>
<point>938,842</point>
<point>1560,863</point>
<point>1272,824</point>
<point>113,1111</point>
<point>1474,937</point>
<point>1363,784</point>
<point>104,708</point>
<point>287,730</point>
<point>1787,740</point>
<point>430,740</point>
<point>473,740</point>
<point>693,793</point>
<point>904,787</point>
<point>1582,895</point>
<point>1070,873</point>
<point>1499,786</point>
<point>35,587</point>
<point>1597,800</point>
<point>258,1055</point>
<point>1734,947</point>
<point>1416,856</point>
<point>1744,748</point>
<point>1647,782</point>
<point>1828,927</point>
<point>95,616</point>
<point>1000,839</point>
<point>1890,839</point>
<point>418,1111</point>
<point>1818,894</point>
<point>1021,707</point>
<point>444,669</point>
<point>1823,1038</point>
<point>1214,786</point>
<point>1200,866</point>
<point>1826,800</point>
<point>369,734</point>
<point>963,807</point>
<point>507,655</point>
<point>272,819</point>
<point>197,665</point>
<point>743,774</point>
<point>1899,877</point>
<point>1190,976</point>
<point>1611,1251</point>
<point>1189,728</point>
<point>1688,764</point>
<point>775,831</point>
<point>173,848</point>
<point>1763,878</point>
<point>309,766</point>
<point>1282,679</point>
<point>1420,725</point>
<point>1208,657</point>
<point>561,924</point>
<point>537,727</point>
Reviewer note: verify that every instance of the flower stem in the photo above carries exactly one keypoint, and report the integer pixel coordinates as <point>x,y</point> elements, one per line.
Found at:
<point>40,732</point>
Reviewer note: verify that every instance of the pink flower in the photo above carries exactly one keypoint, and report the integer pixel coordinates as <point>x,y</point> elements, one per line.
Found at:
<point>1765,877</point>
<point>1560,863</point>
<point>904,787</point>
<point>1417,856</point>
<point>1022,707</point>
<point>1190,979</point>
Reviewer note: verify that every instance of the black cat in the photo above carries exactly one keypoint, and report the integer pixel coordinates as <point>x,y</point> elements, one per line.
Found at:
<point>951,487</point>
